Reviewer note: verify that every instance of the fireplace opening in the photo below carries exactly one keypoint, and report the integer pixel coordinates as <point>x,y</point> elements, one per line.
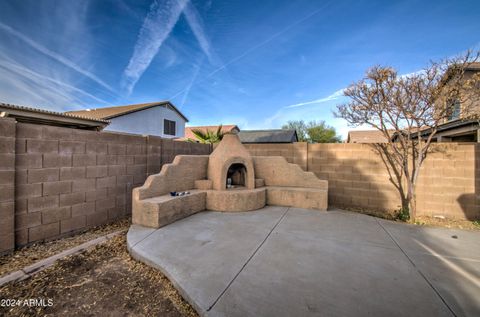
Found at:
<point>236,175</point>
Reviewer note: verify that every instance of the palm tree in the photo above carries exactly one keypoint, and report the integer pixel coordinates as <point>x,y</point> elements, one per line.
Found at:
<point>207,136</point>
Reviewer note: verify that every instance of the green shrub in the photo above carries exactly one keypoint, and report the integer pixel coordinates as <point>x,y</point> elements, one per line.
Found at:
<point>402,214</point>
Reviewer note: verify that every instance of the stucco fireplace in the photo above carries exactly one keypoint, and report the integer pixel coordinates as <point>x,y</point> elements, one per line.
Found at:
<point>229,179</point>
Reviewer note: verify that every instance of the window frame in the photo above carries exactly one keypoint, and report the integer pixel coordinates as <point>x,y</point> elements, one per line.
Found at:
<point>169,127</point>
<point>455,110</point>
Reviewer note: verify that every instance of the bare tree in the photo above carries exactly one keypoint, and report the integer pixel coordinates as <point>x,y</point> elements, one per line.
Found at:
<point>408,110</point>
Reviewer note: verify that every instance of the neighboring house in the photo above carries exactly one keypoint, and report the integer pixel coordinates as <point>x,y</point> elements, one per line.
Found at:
<point>457,128</point>
<point>268,136</point>
<point>366,136</point>
<point>52,118</point>
<point>229,128</point>
<point>457,108</point>
<point>155,118</point>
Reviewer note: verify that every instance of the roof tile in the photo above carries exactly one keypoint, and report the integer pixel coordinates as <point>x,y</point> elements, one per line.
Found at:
<point>112,112</point>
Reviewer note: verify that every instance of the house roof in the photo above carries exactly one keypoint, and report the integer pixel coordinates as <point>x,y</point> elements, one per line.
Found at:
<point>225,129</point>
<point>268,136</point>
<point>117,111</point>
<point>450,125</point>
<point>366,136</point>
<point>41,116</point>
<point>473,66</point>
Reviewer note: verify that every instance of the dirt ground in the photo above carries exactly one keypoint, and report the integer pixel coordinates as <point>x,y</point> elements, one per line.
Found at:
<point>33,253</point>
<point>103,281</point>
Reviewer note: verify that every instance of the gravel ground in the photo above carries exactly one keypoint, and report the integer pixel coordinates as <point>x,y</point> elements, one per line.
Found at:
<point>447,223</point>
<point>103,281</point>
<point>28,255</point>
<point>422,220</point>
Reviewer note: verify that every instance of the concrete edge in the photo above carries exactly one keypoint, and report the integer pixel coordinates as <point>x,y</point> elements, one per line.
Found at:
<point>139,257</point>
<point>30,270</point>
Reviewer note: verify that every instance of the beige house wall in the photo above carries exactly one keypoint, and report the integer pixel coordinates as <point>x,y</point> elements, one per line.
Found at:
<point>68,180</point>
<point>449,183</point>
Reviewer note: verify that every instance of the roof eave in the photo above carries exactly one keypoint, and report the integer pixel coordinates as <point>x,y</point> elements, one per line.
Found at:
<point>177,111</point>
<point>163,103</point>
<point>21,116</point>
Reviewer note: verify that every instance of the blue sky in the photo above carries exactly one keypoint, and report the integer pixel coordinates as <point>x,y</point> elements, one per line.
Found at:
<point>256,64</point>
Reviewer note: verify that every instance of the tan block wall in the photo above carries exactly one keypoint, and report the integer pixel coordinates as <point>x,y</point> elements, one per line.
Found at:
<point>449,183</point>
<point>68,179</point>
<point>7,183</point>
<point>286,150</point>
<point>356,176</point>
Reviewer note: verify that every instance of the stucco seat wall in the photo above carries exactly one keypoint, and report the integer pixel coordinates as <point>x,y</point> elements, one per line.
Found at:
<point>308,198</point>
<point>180,175</point>
<point>160,211</point>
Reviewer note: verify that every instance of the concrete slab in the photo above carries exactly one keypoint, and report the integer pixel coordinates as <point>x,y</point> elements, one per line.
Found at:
<point>297,262</point>
<point>449,259</point>
<point>443,241</point>
<point>457,281</point>
<point>203,253</point>
<point>137,233</point>
<point>335,225</point>
<point>305,274</point>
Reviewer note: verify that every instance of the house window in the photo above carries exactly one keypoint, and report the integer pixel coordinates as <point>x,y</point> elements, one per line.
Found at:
<point>169,127</point>
<point>454,110</point>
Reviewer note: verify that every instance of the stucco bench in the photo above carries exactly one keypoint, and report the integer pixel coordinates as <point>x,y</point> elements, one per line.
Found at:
<point>300,197</point>
<point>163,210</point>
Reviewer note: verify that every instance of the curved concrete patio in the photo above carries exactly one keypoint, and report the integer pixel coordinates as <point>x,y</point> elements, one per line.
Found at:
<point>281,261</point>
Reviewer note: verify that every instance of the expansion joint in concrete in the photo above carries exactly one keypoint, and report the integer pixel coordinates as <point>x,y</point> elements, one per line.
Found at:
<point>249,259</point>
<point>416,268</point>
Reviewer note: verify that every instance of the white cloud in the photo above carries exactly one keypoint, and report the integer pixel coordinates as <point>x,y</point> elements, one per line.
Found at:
<point>299,112</point>
<point>268,40</point>
<point>21,90</point>
<point>196,24</point>
<point>46,82</point>
<point>156,28</point>
<point>201,37</point>
<point>337,94</point>
<point>59,58</point>
<point>190,84</point>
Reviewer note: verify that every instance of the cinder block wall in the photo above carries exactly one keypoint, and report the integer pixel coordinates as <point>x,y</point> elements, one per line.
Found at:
<point>68,179</point>
<point>449,183</point>
<point>7,183</point>
<point>356,176</point>
<point>261,149</point>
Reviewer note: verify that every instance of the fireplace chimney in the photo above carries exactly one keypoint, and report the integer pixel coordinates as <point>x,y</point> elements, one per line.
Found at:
<point>231,160</point>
